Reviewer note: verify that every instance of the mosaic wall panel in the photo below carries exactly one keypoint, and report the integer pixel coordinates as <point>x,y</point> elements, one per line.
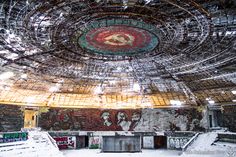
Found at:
<point>123,120</point>
<point>229,117</point>
<point>11,118</point>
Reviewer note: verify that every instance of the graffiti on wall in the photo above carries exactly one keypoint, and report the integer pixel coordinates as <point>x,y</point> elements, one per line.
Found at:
<point>177,142</point>
<point>67,142</point>
<point>123,120</point>
<point>12,137</point>
<point>94,142</point>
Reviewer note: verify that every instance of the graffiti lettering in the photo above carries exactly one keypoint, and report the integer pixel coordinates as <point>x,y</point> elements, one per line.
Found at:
<point>94,142</point>
<point>12,137</point>
<point>177,142</point>
<point>66,142</point>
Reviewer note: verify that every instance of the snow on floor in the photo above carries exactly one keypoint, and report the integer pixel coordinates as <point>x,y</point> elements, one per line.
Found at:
<point>144,153</point>
<point>205,144</point>
<point>39,144</point>
<point>226,144</point>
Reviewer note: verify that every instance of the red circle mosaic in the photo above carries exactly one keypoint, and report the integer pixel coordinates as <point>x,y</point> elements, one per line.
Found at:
<point>118,40</point>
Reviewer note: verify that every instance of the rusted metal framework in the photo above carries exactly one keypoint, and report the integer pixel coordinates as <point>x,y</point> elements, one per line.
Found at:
<point>194,60</point>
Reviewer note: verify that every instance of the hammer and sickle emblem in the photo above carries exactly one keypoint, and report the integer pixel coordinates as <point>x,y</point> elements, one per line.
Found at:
<point>119,39</point>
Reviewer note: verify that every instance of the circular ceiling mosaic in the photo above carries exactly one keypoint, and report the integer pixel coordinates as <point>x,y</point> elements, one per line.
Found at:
<point>119,39</point>
<point>163,45</point>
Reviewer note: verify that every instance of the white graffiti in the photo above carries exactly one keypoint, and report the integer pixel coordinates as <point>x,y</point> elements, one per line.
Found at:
<point>177,142</point>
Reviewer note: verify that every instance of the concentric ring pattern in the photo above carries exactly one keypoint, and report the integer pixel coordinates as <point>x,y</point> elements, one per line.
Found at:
<point>157,44</point>
<point>119,38</point>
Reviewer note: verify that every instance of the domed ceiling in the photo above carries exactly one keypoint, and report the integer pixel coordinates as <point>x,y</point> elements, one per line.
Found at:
<point>117,53</point>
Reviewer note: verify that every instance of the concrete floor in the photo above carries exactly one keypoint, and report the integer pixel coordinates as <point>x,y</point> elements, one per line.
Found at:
<point>144,153</point>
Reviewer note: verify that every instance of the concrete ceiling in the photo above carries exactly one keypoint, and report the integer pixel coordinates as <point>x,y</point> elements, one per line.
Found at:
<point>117,54</point>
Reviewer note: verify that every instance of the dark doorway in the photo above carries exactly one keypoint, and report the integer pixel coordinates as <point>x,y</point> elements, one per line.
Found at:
<point>160,142</point>
<point>86,141</point>
<point>218,115</point>
<point>80,142</point>
<point>210,120</point>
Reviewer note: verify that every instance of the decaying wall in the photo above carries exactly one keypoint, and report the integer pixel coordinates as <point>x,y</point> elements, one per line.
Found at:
<point>11,118</point>
<point>188,119</point>
<point>181,119</point>
<point>229,117</point>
